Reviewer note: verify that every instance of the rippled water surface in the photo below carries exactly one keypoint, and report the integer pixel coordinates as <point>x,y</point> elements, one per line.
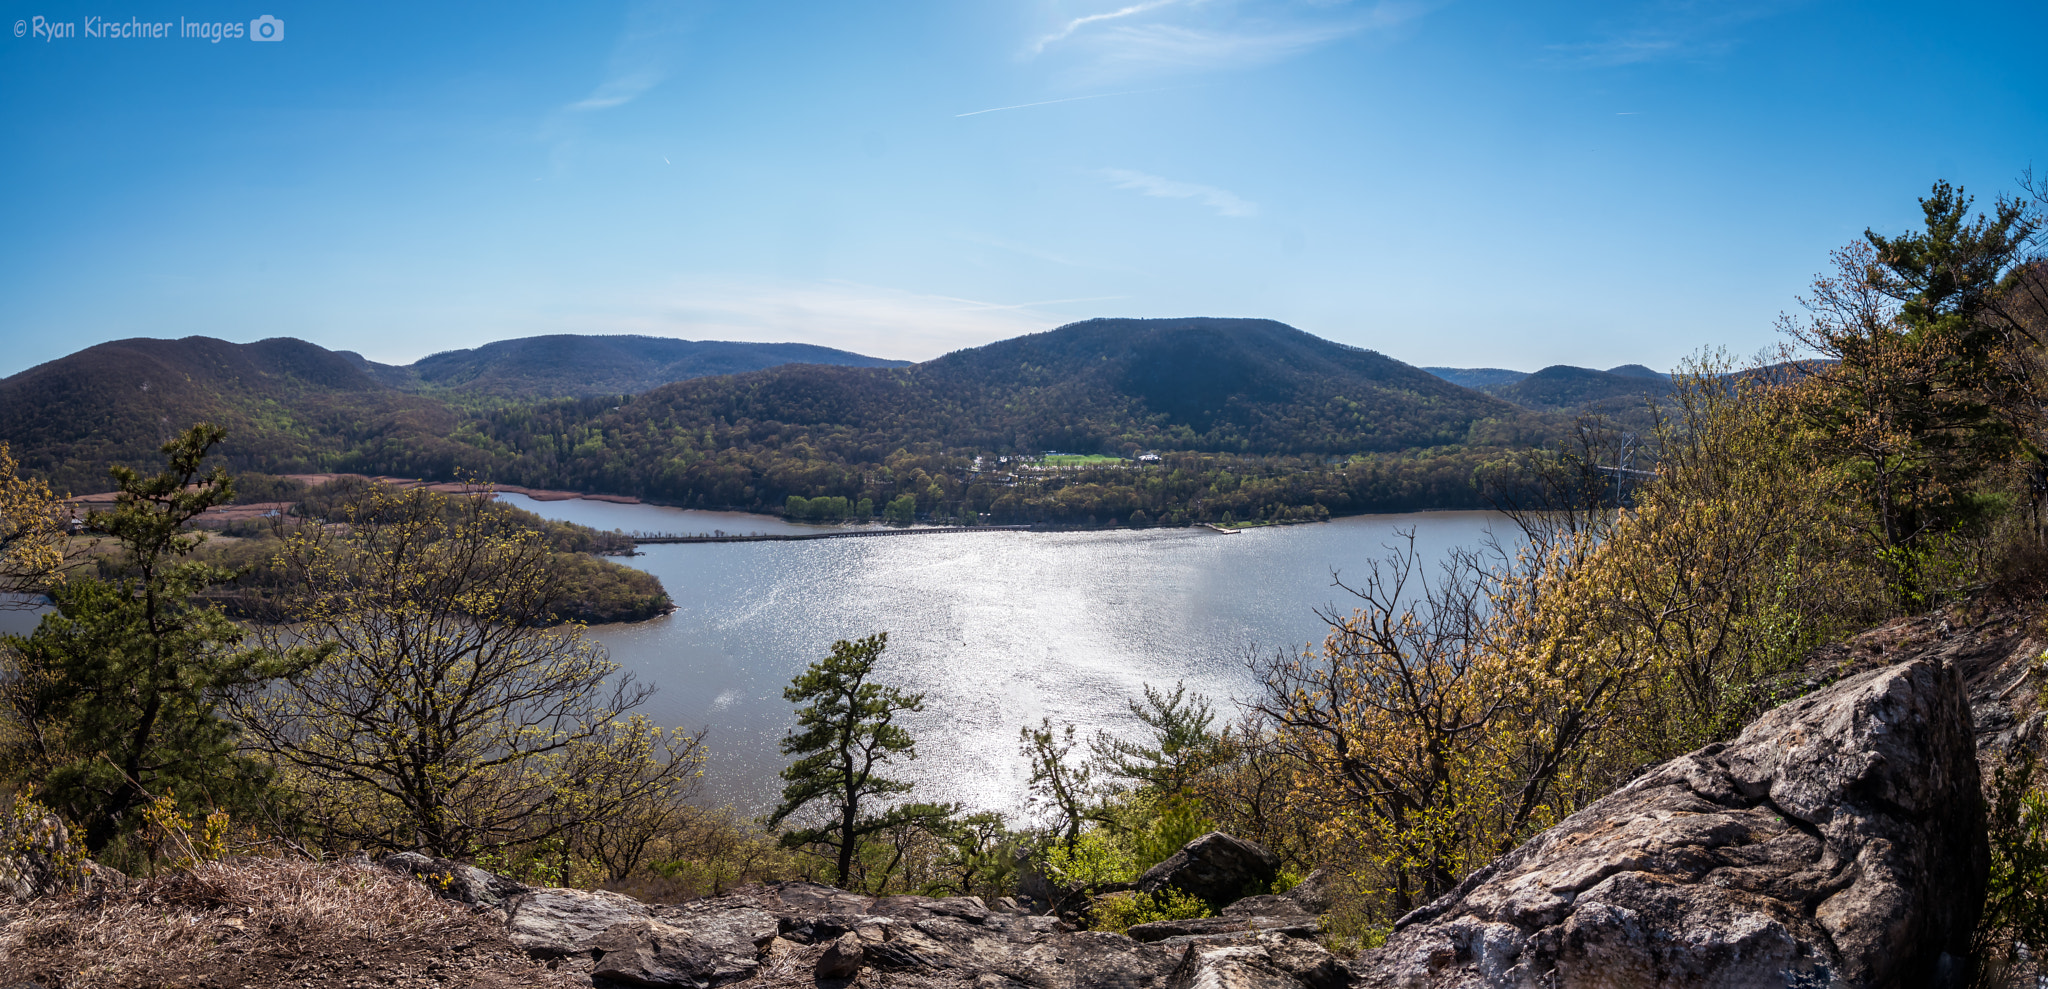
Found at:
<point>998,629</point>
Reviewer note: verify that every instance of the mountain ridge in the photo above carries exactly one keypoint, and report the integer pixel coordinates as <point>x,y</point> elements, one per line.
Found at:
<point>1261,417</point>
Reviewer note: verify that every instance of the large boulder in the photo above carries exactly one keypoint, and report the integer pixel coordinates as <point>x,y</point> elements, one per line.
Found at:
<point>1268,961</point>
<point>1839,841</point>
<point>551,923</point>
<point>1216,868</point>
<point>1299,925</point>
<point>457,881</point>
<point>660,956</point>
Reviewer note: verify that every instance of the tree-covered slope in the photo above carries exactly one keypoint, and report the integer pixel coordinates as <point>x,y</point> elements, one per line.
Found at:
<point>286,404</point>
<point>1105,385</point>
<point>1246,399</point>
<point>1563,387</point>
<point>567,365</point>
<point>1480,378</point>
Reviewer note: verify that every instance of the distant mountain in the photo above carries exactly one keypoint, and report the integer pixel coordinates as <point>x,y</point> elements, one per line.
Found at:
<point>287,404</point>
<point>1241,385</point>
<point>1562,387</point>
<point>1251,413</point>
<point>1638,371</point>
<point>1258,417</point>
<point>1478,378</point>
<point>579,366</point>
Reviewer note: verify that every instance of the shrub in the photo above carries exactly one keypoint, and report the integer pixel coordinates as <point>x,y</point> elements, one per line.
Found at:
<point>1119,912</point>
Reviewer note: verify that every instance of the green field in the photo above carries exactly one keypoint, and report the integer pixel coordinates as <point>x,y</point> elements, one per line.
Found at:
<point>1081,460</point>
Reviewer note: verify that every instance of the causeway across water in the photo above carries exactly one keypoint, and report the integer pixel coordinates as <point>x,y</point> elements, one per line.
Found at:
<point>794,536</point>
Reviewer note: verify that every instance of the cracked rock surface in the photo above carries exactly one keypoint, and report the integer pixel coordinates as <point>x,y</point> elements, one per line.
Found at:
<point>1837,842</point>
<point>801,934</point>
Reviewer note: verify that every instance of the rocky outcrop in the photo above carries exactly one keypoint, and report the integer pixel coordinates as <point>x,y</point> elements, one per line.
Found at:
<point>802,934</point>
<point>39,858</point>
<point>1216,868</point>
<point>1837,841</point>
<point>1996,645</point>
<point>1294,913</point>
<point>457,881</point>
<point>1270,960</point>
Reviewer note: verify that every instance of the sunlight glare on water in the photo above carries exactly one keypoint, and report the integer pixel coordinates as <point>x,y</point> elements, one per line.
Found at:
<point>998,629</point>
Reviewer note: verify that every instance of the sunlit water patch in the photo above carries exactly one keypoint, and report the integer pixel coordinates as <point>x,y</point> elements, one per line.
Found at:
<point>997,629</point>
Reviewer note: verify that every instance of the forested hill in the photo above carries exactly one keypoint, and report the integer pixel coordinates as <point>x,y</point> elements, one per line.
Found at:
<point>286,404</point>
<point>289,405</point>
<point>1562,386</point>
<point>1250,416</point>
<point>570,365</point>
<point>1248,385</point>
<point>1112,386</point>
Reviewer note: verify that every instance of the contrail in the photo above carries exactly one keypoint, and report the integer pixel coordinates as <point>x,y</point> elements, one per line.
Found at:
<point>1069,99</point>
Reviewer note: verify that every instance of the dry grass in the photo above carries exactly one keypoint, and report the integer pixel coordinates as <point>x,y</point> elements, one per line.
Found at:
<point>263,922</point>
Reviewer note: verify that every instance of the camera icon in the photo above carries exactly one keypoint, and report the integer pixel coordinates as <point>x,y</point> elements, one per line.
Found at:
<point>266,28</point>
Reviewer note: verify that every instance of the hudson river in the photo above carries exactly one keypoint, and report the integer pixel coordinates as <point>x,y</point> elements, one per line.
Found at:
<point>997,629</point>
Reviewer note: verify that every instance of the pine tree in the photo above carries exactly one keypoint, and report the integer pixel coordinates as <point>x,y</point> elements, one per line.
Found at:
<point>844,736</point>
<point>116,692</point>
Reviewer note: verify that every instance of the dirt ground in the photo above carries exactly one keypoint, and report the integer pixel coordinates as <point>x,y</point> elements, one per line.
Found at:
<point>263,923</point>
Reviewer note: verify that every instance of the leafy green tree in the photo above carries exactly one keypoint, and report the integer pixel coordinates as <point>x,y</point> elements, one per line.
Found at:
<point>981,855</point>
<point>1181,746</point>
<point>902,510</point>
<point>1930,380</point>
<point>455,715</point>
<point>31,540</point>
<point>845,735</point>
<point>116,693</point>
<point>1062,787</point>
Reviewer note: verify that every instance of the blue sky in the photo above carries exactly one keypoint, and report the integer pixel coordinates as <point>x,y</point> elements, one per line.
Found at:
<point>1462,183</point>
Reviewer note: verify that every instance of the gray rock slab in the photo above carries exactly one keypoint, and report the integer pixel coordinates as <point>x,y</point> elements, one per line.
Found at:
<point>1837,842</point>
<point>1215,867</point>
<point>550,922</point>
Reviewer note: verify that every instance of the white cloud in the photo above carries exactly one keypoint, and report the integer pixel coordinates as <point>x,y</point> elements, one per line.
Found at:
<point>620,89</point>
<point>1222,201</point>
<point>1067,30</point>
<point>640,58</point>
<point>1214,34</point>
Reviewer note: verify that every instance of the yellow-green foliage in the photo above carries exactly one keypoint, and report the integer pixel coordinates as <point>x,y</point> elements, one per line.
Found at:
<point>43,854</point>
<point>1096,859</point>
<point>183,842</point>
<point>448,715</point>
<point>1447,720</point>
<point>1133,832</point>
<point>1119,912</point>
<point>31,543</point>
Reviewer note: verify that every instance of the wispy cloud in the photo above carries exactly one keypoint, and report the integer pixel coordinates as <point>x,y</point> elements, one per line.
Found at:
<point>1069,99</point>
<point>641,57</point>
<point>1214,34</point>
<point>1174,46</point>
<point>619,90</point>
<point>1223,201</point>
<point>1066,31</point>
<point>1673,30</point>
<point>1629,51</point>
